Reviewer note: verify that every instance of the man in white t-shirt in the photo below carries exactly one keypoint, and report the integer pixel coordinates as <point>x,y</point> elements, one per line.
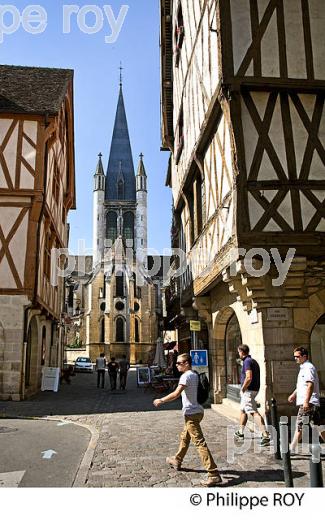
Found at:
<point>306,394</point>
<point>193,413</point>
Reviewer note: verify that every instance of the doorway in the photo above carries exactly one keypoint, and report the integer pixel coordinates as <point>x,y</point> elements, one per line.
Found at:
<point>317,352</point>
<point>233,364</point>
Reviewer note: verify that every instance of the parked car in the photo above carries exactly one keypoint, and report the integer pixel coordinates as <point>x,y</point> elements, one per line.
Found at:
<point>83,364</point>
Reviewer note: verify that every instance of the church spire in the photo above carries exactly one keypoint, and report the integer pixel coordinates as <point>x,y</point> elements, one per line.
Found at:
<point>120,158</point>
<point>99,177</point>
<point>141,179</point>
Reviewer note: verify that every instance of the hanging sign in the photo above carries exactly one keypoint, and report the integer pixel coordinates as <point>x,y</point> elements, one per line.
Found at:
<point>195,326</point>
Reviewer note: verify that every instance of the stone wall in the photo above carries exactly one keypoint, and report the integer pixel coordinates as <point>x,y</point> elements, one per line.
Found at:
<point>11,345</point>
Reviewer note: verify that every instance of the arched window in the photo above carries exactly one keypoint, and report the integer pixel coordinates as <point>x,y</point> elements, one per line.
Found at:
<point>120,190</point>
<point>120,330</point>
<point>119,286</point>
<point>111,227</point>
<point>128,226</point>
<point>102,331</point>
<point>137,331</point>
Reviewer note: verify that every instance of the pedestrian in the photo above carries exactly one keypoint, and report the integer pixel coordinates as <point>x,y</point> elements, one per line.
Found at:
<point>193,414</point>
<point>306,394</point>
<point>100,368</point>
<point>124,368</point>
<point>250,385</point>
<point>113,367</point>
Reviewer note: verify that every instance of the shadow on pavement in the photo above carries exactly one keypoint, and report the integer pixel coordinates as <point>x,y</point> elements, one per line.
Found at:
<point>234,478</point>
<point>82,397</point>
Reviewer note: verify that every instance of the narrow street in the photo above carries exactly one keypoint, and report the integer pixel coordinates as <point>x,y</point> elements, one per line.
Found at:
<point>133,439</point>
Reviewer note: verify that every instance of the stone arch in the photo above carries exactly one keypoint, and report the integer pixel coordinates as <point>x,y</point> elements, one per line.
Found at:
<point>120,329</point>
<point>31,354</point>
<point>218,352</point>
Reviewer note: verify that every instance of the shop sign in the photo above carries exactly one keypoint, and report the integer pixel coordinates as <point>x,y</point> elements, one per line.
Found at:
<point>284,376</point>
<point>50,379</point>
<point>195,326</point>
<point>278,314</point>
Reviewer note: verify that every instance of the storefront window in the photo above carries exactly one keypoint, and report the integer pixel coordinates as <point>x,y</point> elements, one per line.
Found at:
<point>317,352</point>
<point>233,364</point>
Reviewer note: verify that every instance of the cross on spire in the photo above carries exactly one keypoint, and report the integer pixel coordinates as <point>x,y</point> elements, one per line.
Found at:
<point>121,77</point>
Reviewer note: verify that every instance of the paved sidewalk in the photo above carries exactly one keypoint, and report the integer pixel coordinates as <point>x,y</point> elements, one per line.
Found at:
<point>135,438</point>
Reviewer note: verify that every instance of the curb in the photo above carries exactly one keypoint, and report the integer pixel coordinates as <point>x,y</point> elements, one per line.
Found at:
<point>80,478</point>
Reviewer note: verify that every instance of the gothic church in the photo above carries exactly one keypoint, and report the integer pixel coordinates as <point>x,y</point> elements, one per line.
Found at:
<point>121,303</point>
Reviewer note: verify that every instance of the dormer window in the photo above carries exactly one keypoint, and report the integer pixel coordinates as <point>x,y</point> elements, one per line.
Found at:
<point>179,34</point>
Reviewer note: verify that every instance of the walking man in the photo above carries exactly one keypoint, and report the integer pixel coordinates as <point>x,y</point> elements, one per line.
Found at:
<point>100,368</point>
<point>112,371</point>
<point>193,414</point>
<point>306,394</point>
<point>124,368</point>
<point>250,385</point>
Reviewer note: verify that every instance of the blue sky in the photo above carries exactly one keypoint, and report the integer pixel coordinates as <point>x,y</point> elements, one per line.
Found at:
<point>96,82</point>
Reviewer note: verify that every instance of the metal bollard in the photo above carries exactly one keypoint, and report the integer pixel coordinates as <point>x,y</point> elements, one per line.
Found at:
<point>315,463</point>
<point>275,424</point>
<point>285,452</point>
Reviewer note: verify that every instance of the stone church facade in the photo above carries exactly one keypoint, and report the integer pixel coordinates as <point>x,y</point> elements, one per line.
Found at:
<point>120,303</point>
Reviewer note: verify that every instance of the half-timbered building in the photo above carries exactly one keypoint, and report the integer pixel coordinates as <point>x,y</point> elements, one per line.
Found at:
<point>243,85</point>
<point>37,189</point>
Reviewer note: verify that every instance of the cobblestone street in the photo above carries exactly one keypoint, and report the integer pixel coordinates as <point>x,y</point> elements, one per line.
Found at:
<point>134,439</point>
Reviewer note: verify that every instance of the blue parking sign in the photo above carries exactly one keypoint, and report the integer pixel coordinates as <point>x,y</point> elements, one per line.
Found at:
<point>199,358</point>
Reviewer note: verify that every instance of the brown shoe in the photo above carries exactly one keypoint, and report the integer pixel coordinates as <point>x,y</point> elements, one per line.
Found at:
<point>212,481</point>
<point>174,463</point>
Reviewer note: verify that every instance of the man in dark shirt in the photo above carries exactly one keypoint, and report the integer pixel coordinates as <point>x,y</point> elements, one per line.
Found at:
<point>250,385</point>
<point>113,367</point>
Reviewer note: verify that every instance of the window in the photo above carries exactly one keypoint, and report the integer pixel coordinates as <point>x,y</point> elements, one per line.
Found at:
<point>137,330</point>
<point>120,286</point>
<point>47,255</point>
<point>179,34</point>
<point>56,182</point>
<point>137,290</point>
<point>111,221</point>
<point>180,136</point>
<point>120,330</point>
<point>102,331</point>
<point>128,226</point>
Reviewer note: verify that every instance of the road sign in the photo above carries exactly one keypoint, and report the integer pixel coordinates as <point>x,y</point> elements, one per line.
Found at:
<point>195,326</point>
<point>199,358</point>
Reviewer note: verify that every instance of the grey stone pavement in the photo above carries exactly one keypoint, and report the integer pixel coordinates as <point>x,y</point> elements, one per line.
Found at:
<point>134,439</point>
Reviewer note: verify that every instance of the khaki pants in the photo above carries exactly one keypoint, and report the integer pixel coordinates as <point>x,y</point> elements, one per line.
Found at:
<point>193,432</point>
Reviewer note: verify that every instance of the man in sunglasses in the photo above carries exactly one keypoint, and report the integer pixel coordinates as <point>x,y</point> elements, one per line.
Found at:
<point>193,414</point>
<point>306,394</point>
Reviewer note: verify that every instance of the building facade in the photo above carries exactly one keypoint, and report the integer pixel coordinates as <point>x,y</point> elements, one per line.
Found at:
<point>243,117</point>
<point>120,300</point>
<point>37,189</point>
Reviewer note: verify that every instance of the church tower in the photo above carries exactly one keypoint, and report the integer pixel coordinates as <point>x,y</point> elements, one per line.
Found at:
<point>141,241</point>
<point>121,309</point>
<point>98,212</point>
